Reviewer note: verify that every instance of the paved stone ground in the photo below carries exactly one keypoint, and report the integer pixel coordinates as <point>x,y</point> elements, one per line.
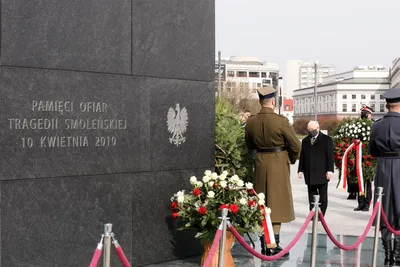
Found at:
<point>340,216</point>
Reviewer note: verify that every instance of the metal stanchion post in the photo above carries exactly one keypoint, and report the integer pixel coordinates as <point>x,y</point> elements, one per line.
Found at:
<point>377,225</point>
<point>223,239</point>
<point>315,232</point>
<point>107,244</point>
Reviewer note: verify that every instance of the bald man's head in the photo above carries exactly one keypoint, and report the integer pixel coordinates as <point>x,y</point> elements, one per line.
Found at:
<point>313,128</point>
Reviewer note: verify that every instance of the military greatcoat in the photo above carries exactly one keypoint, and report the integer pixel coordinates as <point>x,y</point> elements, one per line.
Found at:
<point>384,140</point>
<point>272,169</point>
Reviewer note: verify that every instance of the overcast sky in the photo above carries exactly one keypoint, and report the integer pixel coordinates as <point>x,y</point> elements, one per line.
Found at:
<point>345,33</point>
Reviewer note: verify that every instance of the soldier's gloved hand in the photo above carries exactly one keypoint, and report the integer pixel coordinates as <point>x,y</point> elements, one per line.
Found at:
<point>328,175</point>
<point>301,175</point>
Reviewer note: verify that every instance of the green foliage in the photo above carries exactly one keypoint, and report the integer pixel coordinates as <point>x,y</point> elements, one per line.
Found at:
<point>231,153</point>
<point>344,134</point>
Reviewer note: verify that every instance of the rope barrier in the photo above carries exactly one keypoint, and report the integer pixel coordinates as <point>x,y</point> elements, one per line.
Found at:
<point>388,226</point>
<point>120,253</point>
<point>359,240</point>
<point>280,254</point>
<point>97,253</point>
<point>214,246</point>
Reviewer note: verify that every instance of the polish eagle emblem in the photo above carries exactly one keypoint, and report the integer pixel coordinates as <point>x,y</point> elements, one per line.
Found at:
<point>177,121</point>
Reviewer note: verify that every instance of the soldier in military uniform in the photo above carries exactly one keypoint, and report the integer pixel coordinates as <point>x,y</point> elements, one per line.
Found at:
<point>276,146</point>
<point>385,144</point>
<point>363,201</point>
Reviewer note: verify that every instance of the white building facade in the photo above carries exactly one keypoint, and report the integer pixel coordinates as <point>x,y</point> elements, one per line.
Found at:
<point>245,74</point>
<point>301,74</point>
<point>395,74</point>
<point>342,95</point>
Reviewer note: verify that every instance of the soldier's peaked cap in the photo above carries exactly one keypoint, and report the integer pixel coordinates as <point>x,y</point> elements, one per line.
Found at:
<point>367,109</point>
<point>392,95</point>
<point>266,92</point>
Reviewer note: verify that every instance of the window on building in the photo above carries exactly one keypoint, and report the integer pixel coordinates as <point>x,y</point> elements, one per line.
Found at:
<point>373,107</point>
<point>372,97</point>
<point>258,84</point>
<point>241,73</point>
<point>233,84</point>
<point>344,107</point>
<point>231,73</point>
<point>353,97</point>
<point>254,74</point>
<point>263,75</point>
<point>382,107</point>
<point>254,85</point>
<point>344,96</point>
<point>353,107</point>
<point>229,90</point>
<point>363,97</point>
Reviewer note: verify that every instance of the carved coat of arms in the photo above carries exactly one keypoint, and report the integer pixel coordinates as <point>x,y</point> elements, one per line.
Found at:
<point>177,121</point>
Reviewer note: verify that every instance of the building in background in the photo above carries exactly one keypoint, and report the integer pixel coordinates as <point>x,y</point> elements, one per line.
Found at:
<point>342,95</point>
<point>288,109</point>
<point>395,74</point>
<point>301,74</point>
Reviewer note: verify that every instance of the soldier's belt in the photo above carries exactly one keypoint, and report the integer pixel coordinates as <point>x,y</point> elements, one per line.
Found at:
<point>390,154</point>
<point>271,149</point>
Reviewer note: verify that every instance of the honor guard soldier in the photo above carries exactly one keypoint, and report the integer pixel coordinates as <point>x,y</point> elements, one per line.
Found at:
<point>385,144</point>
<point>276,145</point>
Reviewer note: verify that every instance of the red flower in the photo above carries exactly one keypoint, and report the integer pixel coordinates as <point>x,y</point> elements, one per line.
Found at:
<point>343,149</point>
<point>337,154</point>
<point>196,192</point>
<point>252,203</point>
<point>365,157</point>
<point>223,206</point>
<point>371,157</point>
<point>340,158</point>
<point>202,210</point>
<point>368,163</point>
<point>174,205</point>
<point>175,215</point>
<point>339,144</point>
<point>346,140</point>
<point>346,145</point>
<point>364,145</point>
<point>351,162</point>
<point>234,208</point>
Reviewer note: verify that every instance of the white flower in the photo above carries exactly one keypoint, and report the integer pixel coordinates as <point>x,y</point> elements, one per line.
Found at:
<point>240,183</point>
<point>210,194</point>
<point>199,184</point>
<point>363,129</point>
<point>235,178</point>
<point>222,176</point>
<point>261,202</point>
<point>197,204</point>
<point>206,179</point>
<point>368,128</point>
<point>193,180</point>
<point>207,172</point>
<point>223,184</point>
<point>351,131</point>
<point>214,175</point>
<point>359,130</point>
<point>243,201</point>
<point>180,199</point>
<point>261,196</point>
<point>368,133</point>
<point>180,193</point>
<point>363,134</point>
<point>225,173</point>
<point>210,184</point>
<point>249,186</point>
<point>268,211</point>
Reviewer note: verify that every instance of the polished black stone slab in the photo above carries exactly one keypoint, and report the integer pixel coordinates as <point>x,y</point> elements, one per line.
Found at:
<point>58,222</point>
<point>57,123</point>
<point>91,35</point>
<point>300,255</point>
<point>174,39</point>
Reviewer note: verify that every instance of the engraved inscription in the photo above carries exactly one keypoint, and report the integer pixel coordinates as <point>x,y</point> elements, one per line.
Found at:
<point>76,121</point>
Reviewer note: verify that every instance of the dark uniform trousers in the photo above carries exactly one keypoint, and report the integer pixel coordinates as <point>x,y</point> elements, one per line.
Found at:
<point>363,201</point>
<point>322,191</point>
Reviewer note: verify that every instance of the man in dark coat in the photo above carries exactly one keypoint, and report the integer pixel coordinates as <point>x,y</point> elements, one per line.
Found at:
<point>277,146</point>
<point>316,164</point>
<point>364,200</point>
<point>385,144</point>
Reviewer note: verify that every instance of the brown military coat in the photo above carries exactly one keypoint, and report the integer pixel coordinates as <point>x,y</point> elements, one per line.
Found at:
<point>272,170</point>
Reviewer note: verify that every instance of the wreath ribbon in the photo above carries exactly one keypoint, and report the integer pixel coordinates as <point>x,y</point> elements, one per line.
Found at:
<point>267,227</point>
<point>357,146</point>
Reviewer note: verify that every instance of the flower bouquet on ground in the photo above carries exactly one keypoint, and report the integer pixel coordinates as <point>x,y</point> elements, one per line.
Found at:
<point>351,139</point>
<point>200,208</point>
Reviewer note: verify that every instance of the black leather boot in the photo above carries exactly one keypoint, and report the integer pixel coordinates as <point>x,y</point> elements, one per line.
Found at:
<point>277,249</point>
<point>262,240</point>
<point>396,252</point>
<point>387,246</point>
